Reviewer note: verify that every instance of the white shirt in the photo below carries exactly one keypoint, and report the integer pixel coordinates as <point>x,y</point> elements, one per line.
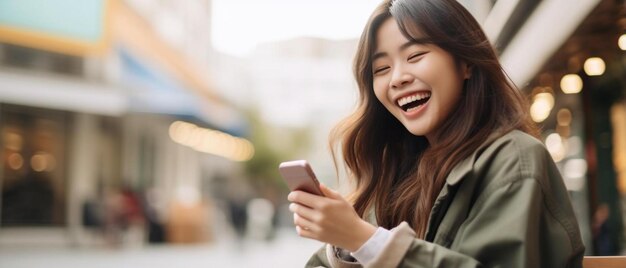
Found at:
<point>373,246</point>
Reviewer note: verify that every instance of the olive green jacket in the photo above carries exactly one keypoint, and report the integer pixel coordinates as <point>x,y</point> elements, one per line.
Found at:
<point>504,206</point>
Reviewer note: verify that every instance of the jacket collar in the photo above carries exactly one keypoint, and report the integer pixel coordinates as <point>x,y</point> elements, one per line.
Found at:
<point>465,167</point>
<point>460,171</point>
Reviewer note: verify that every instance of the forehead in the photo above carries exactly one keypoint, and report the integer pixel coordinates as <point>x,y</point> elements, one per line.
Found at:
<point>390,37</point>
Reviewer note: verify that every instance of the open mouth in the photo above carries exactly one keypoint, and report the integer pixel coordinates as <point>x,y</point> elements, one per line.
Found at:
<point>414,101</point>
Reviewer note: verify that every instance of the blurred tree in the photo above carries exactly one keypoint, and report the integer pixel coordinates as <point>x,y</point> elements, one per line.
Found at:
<point>273,145</point>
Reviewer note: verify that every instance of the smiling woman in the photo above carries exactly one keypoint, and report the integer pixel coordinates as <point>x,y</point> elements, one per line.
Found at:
<point>419,83</point>
<point>443,156</point>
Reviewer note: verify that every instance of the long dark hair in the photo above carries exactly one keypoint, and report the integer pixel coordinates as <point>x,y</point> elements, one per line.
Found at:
<point>396,172</point>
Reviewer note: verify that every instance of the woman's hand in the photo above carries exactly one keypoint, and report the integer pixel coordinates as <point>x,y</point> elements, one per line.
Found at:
<point>330,219</point>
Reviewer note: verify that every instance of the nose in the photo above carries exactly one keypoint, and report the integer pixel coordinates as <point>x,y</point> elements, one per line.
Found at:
<point>400,78</point>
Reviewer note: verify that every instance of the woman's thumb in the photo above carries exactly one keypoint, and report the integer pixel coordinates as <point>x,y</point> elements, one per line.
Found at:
<point>329,192</point>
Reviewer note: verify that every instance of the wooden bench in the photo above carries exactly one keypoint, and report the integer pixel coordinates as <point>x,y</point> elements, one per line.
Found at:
<point>604,262</point>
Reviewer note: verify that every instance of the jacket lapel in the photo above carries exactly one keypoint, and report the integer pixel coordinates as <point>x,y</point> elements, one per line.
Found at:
<point>457,174</point>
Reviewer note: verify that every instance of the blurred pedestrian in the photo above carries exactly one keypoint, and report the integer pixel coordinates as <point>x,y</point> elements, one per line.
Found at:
<point>238,216</point>
<point>260,215</point>
<point>114,221</point>
<point>134,222</point>
<point>601,230</point>
<point>152,205</point>
<point>442,153</point>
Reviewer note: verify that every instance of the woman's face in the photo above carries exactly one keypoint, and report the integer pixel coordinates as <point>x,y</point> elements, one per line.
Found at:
<point>420,84</point>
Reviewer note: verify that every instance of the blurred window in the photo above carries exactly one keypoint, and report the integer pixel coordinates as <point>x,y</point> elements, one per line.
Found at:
<point>40,60</point>
<point>33,182</point>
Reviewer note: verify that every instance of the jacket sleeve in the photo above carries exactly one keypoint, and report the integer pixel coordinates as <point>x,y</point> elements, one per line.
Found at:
<point>329,256</point>
<point>397,250</point>
<point>506,228</point>
<point>318,259</point>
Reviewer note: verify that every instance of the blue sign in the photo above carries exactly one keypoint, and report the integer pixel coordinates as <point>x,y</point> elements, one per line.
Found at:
<point>80,20</point>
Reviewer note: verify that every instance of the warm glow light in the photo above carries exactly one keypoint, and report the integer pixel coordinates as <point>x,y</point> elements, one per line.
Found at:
<point>622,42</point>
<point>42,161</point>
<point>574,172</point>
<point>541,107</point>
<point>539,111</point>
<point>211,141</point>
<point>564,117</point>
<point>176,131</point>
<point>15,161</point>
<point>39,162</point>
<point>547,97</point>
<point>13,141</point>
<point>594,66</point>
<point>571,84</point>
<point>554,144</point>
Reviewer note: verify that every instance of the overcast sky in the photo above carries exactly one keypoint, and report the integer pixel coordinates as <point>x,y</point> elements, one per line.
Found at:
<point>239,25</point>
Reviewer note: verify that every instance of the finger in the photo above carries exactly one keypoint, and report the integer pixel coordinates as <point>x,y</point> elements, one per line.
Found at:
<point>328,192</point>
<point>303,223</point>
<point>304,232</point>
<point>306,199</point>
<point>303,211</point>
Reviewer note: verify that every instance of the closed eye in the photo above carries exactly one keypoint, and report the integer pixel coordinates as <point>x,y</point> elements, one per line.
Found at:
<point>416,55</point>
<point>381,69</point>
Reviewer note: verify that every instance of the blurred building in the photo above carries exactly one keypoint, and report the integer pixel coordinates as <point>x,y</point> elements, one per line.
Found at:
<point>300,85</point>
<point>578,97</point>
<point>102,98</point>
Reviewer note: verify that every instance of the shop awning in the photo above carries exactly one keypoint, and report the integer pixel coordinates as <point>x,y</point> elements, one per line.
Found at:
<point>154,91</point>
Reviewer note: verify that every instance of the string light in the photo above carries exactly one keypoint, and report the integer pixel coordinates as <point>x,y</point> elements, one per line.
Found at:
<point>594,66</point>
<point>211,141</point>
<point>571,84</point>
<point>541,107</point>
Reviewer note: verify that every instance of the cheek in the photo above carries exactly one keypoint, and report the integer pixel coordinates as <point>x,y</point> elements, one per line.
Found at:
<point>450,99</point>
<point>380,91</point>
<point>429,71</point>
<point>443,79</point>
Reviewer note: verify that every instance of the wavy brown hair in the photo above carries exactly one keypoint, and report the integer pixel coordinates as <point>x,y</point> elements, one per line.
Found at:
<point>400,174</point>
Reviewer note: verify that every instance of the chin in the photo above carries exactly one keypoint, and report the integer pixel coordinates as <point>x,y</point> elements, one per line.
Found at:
<point>415,130</point>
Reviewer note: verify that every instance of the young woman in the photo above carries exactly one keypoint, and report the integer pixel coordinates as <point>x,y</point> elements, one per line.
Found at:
<point>446,170</point>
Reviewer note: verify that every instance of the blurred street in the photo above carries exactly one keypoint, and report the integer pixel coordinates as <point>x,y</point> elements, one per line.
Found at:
<point>286,250</point>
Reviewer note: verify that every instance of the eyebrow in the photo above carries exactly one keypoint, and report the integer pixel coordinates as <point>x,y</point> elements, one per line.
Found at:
<point>419,41</point>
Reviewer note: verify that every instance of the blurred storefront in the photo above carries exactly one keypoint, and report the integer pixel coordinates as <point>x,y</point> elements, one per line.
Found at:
<point>578,98</point>
<point>569,60</point>
<point>99,100</point>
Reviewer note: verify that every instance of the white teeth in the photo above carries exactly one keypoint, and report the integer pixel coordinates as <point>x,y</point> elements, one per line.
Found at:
<point>411,109</point>
<point>412,98</point>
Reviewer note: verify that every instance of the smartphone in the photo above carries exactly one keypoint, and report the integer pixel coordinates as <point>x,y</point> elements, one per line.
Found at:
<point>299,176</point>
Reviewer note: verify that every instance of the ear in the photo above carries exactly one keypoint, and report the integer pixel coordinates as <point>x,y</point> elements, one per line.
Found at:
<point>467,70</point>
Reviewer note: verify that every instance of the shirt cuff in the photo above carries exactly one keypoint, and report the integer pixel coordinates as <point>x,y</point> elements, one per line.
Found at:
<point>373,246</point>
